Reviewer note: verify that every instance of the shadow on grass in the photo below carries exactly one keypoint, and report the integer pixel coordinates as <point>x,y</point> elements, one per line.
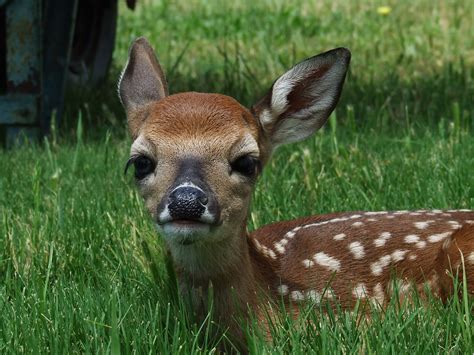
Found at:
<point>388,102</point>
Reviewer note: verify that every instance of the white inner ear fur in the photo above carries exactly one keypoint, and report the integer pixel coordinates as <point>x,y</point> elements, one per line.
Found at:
<point>285,84</point>
<point>293,130</point>
<point>327,85</point>
<point>321,94</point>
<point>119,83</point>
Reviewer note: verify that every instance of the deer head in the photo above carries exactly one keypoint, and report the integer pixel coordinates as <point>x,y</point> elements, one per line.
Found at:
<point>197,156</point>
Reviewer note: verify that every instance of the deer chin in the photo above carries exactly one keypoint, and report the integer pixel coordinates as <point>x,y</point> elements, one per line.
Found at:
<point>184,232</point>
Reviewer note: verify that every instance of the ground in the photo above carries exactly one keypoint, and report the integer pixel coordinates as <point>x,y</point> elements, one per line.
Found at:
<point>81,268</point>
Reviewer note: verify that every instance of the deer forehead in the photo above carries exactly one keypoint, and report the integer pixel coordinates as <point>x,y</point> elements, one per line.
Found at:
<point>205,148</point>
<point>195,116</point>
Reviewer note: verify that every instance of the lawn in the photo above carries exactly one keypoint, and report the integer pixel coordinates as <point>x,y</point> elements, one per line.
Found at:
<point>81,267</point>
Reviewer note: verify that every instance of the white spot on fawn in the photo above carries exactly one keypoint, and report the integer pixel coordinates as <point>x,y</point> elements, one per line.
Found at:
<point>454,224</point>
<point>412,256</point>
<point>257,245</point>
<point>267,252</point>
<point>402,286</point>
<point>378,266</point>
<point>399,255</point>
<point>390,216</point>
<point>357,250</point>
<point>297,296</point>
<point>279,246</point>
<point>270,253</point>
<point>336,220</point>
<point>311,225</point>
<point>329,293</point>
<point>382,239</point>
<point>422,225</point>
<point>379,295</point>
<point>412,238</point>
<point>421,244</point>
<point>313,295</point>
<point>375,213</point>
<point>357,224</point>
<point>327,261</point>
<point>379,242</point>
<point>470,258</point>
<point>371,220</point>
<point>360,291</point>
<point>469,221</point>
<point>290,234</point>
<point>282,290</point>
<point>435,238</point>
<point>401,212</point>
<point>433,282</point>
<point>308,263</point>
<point>340,236</point>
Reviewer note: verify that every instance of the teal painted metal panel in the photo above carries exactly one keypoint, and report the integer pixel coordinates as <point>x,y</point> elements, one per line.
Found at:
<point>19,109</point>
<point>39,50</point>
<point>23,20</point>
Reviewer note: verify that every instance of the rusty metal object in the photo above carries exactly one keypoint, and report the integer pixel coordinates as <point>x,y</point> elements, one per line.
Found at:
<point>36,38</point>
<point>22,18</point>
<point>44,44</point>
<point>19,109</point>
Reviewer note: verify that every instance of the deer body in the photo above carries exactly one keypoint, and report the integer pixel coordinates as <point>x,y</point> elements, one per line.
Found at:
<point>197,157</point>
<point>355,256</point>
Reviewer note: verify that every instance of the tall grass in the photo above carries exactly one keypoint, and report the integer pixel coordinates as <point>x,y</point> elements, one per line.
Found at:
<point>83,271</point>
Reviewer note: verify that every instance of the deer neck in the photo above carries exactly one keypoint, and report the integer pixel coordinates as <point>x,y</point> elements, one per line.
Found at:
<point>223,268</point>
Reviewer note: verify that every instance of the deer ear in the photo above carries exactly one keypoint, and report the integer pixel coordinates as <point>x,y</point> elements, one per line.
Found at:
<point>142,82</point>
<point>301,100</point>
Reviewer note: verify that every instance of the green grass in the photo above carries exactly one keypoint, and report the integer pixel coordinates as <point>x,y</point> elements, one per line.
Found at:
<point>81,268</point>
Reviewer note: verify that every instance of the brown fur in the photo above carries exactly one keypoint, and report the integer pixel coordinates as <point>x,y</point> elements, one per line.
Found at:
<point>430,266</point>
<point>453,261</point>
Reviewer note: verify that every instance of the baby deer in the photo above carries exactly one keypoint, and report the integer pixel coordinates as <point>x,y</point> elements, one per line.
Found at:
<point>197,157</point>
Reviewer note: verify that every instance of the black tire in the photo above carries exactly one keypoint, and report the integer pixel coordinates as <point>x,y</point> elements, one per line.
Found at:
<point>93,41</point>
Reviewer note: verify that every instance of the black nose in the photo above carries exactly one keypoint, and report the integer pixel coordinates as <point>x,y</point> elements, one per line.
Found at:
<point>187,203</point>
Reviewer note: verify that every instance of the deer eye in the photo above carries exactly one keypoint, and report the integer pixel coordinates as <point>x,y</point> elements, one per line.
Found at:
<point>246,165</point>
<point>143,166</point>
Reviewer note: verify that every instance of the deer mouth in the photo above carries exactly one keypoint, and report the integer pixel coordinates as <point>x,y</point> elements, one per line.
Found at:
<point>186,222</point>
<point>185,231</point>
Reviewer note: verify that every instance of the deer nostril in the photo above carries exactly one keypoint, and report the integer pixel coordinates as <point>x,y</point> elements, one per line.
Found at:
<point>203,199</point>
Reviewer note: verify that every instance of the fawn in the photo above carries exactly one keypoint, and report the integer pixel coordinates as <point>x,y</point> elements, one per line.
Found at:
<point>197,157</point>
